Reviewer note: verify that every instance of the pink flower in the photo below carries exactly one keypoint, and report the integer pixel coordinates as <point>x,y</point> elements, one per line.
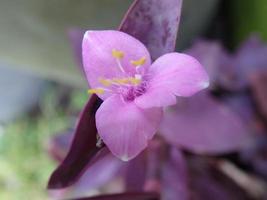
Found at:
<point>119,70</point>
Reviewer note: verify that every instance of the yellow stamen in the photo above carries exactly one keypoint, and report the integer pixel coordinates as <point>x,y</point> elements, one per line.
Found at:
<point>105,82</point>
<point>135,81</point>
<point>139,62</point>
<point>117,54</point>
<point>96,91</point>
<point>121,80</point>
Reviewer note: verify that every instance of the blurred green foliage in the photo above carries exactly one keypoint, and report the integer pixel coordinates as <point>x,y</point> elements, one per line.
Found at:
<point>25,165</point>
<point>247,17</point>
<point>33,33</point>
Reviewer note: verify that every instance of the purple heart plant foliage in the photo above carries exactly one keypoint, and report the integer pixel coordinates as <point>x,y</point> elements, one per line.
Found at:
<point>138,86</point>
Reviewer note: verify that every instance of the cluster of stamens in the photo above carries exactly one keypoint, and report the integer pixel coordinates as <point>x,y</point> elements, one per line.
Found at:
<point>128,86</point>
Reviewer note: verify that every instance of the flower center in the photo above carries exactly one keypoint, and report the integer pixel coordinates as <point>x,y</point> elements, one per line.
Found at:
<point>129,87</point>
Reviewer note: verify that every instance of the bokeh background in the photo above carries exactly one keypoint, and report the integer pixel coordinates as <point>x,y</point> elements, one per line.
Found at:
<point>42,87</point>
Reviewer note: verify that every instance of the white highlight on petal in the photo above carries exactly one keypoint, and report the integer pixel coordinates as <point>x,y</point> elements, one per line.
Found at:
<point>125,158</point>
<point>205,84</point>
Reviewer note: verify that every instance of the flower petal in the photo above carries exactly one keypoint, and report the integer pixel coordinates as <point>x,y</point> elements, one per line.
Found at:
<point>173,74</point>
<point>180,73</point>
<point>98,59</point>
<point>125,128</point>
<point>155,98</point>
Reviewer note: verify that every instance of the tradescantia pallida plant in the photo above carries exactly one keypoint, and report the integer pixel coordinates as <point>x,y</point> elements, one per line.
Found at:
<point>159,36</point>
<point>125,109</point>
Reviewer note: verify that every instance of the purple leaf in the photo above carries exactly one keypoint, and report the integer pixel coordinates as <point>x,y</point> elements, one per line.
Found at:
<point>155,155</point>
<point>174,177</point>
<point>203,125</point>
<point>124,196</point>
<point>258,85</point>
<point>207,182</point>
<point>82,150</point>
<point>242,105</point>
<point>135,173</point>
<point>103,168</point>
<point>58,148</point>
<point>255,156</point>
<point>155,23</point>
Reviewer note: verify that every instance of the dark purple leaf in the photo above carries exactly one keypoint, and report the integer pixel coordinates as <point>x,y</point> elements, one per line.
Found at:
<point>126,196</point>
<point>206,182</point>
<point>103,168</point>
<point>82,150</point>
<point>58,148</point>
<point>242,105</point>
<point>155,155</point>
<point>174,177</point>
<point>136,173</point>
<point>155,23</point>
<point>256,156</point>
<point>203,125</point>
<point>258,85</point>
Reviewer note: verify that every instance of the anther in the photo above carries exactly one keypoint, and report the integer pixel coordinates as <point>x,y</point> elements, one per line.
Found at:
<point>135,81</point>
<point>105,82</point>
<point>139,62</point>
<point>121,81</point>
<point>117,54</point>
<point>96,91</point>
